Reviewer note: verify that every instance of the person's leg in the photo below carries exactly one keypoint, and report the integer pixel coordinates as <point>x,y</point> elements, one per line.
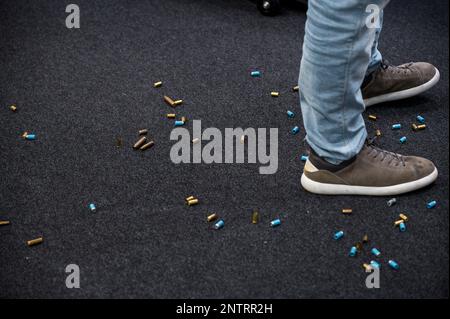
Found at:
<point>376,57</point>
<point>340,47</point>
<point>384,83</point>
<point>336,54</point>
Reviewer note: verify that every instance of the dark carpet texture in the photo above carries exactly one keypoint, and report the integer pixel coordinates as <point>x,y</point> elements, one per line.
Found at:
<point>79,89</point>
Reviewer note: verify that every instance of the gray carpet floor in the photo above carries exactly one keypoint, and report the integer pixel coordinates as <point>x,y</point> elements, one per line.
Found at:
<point>80,89</point>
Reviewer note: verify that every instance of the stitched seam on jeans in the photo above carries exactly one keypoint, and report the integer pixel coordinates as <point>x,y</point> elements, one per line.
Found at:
<point>344,134</point>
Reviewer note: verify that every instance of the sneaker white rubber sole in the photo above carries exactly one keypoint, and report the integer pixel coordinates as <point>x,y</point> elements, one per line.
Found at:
<point>340,189</point>
<point>394,96</point>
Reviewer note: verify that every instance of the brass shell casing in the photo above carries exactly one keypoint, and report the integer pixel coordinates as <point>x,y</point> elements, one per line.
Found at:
<point>212,217</point>
<point>367,267</point>
<point>192,202</point>
<point>421,127</point>
<point>255,217</point>
<point>140,142</point>
<point>168,100</point>
<point>359,246</point>
<point>365,239</point>
<point>146,146</point>
<point>36,241</point>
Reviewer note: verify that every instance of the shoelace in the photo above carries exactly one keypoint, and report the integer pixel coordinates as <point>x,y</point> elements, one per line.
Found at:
<point>404,68</point>
<point>374,146</point>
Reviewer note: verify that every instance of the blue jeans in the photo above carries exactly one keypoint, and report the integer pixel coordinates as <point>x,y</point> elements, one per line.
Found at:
<point>339,49</point>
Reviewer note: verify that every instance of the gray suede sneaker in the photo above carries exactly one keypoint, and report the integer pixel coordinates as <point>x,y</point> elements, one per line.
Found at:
<point>372,172</point>
<point>390,83</point>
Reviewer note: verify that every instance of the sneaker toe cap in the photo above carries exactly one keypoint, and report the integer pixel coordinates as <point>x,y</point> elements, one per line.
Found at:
<point>426,70</point>
<point>421,167</point>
